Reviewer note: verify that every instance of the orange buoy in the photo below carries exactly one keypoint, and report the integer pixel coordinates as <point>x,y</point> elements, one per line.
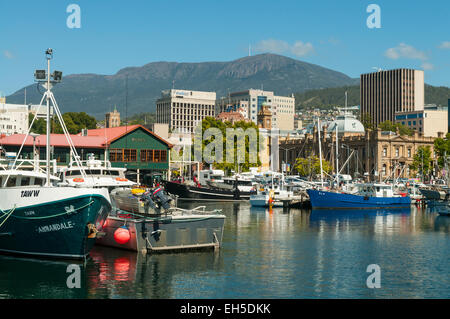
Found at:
<point>122,235</point>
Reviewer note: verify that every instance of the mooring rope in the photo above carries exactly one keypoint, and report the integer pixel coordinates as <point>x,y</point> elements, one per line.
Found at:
<point>9,214</point>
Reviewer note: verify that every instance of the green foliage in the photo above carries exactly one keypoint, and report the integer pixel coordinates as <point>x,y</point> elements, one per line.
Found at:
<point>75,122</point>
<point>402,129</point>
<point>311,166</point>
<point>327,98</point>
<point>331,97</point>
<point>226,163</point>
<point>442,148</point>
<point>366,121</point>
<point>422,161</point>
<point>144,118</point>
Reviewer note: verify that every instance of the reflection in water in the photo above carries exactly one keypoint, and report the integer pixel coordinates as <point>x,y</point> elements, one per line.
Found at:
<point>265,254</point>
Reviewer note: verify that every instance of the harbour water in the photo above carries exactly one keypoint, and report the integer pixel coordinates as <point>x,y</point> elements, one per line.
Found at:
<point>265,254</point>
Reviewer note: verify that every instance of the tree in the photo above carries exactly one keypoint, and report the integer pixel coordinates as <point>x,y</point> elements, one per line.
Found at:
<point>366,121</point>
<point>74,121</point>
<point>442,148</point>
<point>229,164</point>
<point>422,161</point>
<point>311,166</point>
<point>393,127</point>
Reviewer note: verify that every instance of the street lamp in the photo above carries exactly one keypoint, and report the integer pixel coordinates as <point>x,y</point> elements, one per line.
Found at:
<point>285,153</point>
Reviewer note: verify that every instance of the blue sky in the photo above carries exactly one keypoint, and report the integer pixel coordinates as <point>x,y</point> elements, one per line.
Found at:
<point>115,34</point>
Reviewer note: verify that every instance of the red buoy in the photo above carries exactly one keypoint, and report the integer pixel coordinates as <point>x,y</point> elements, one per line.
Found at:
<point>122,235</point>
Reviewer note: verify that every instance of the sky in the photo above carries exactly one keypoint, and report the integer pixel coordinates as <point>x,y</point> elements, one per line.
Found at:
<point>115,34</point>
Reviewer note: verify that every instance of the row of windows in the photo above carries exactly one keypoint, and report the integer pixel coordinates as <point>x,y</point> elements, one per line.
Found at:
<point>130,155</point>
<point>397,152</point>
<point>154,156</point>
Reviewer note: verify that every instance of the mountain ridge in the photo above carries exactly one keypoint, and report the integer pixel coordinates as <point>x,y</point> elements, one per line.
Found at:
<point>97,93</point>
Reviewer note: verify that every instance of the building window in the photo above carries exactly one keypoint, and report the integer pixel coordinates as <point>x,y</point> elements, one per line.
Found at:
<point>384,152</point>
<point>409,152</point>
<point>154,156</point>
<point>397,152</point>
<point>122,155</point>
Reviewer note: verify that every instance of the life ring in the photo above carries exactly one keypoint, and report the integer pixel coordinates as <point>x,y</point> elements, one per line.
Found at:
<point>121,179</point>
<point>78,180</point>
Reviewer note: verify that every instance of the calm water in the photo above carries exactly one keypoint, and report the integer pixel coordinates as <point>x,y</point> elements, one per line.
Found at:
<point>278,254</point>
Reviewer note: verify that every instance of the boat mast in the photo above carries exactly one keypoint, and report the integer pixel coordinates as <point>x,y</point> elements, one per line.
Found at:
<point>49,54</point>
<point>337,154</point>
<point>320,152</point>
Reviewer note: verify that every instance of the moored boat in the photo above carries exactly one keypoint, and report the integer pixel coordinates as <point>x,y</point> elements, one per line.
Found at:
<point>138,224</point>
<point>366,196</point>
<point>40,216</point>
<point>193,192</point>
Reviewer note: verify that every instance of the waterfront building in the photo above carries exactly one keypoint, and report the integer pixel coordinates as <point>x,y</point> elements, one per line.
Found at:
<point>13,119</point>
<point>430,121</point>
<point>133,147</point>
<point>375,154</point>
<point>282,107</point>
<point>231,117</point>
<point>384,93</point>
<point>184,109</point>
<point>112,119</point>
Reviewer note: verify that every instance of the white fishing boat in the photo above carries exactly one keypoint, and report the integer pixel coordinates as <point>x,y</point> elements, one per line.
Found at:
<point>38,215</point>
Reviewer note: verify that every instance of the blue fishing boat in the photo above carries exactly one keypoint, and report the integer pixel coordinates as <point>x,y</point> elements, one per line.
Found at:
<point>365,196</point>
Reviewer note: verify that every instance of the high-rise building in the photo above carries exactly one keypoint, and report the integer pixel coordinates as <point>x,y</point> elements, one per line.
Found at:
<point>384,93</point>
<point>432,121</point>
<point>13,119</point>
<point>112,119</point>
<point>282,107</point>
<point>183,109</point>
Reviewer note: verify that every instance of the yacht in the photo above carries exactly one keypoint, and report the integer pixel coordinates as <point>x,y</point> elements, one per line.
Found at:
<point>98,174</point>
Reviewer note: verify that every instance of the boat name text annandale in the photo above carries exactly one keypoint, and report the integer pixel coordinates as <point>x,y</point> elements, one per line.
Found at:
<point>33,193</point>
<point>55,227</point>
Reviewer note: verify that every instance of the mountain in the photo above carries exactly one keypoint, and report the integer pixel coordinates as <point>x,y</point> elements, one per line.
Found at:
<point>329,97</point>
<point>96,94</point>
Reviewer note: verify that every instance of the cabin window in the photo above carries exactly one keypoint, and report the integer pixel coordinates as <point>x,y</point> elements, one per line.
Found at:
<point>73,173</point>
<point>25,181</point>
<point>93,172</point>
<point>38,181</point>
<point>111,173</point>
<point>11,182</point>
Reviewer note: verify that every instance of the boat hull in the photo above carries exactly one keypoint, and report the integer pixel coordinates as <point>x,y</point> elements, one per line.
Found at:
<point>331,200</point>
<point>55,228</point>
<point>263,201</point>
<point>165,233</point>
<point>191,192</point>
